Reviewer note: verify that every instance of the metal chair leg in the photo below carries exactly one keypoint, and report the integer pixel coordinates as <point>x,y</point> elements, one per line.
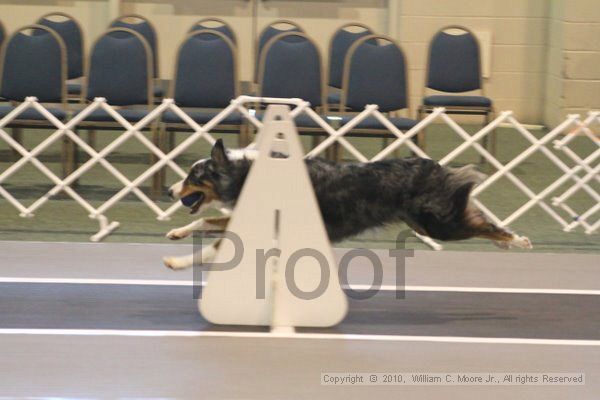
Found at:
<point>17,135</point>
<point>337,152</point>
<point>490,117</point>
<point>397,152</point>
<point>65,157</point>
<point>486,120</point>
<point>420,137</point>
<point>157,181</point>
<point>70,158</point>
<point>315,141</point>
<point>166,146</point>
<point>91,138</point>
<point>244,135</point>
<point>384,142</point>
<point>172,139</point>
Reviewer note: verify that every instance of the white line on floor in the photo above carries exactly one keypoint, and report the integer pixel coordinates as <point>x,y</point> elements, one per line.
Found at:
<point>303,336</point>
<point>86,281</point>
<point>97,244</point>
<point>357,287</point>
<point>466,289</point>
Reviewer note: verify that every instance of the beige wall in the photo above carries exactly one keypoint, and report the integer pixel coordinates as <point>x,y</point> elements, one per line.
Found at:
<point>92,15</point>
<point>553,102</point>
<point>544,54</point>
<point>173,19</point>
<point>319,18</point>
<point>573,75</point>
<point>518,32</point>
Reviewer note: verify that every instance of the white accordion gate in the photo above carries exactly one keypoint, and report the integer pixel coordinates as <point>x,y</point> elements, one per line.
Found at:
<point>582,174</point>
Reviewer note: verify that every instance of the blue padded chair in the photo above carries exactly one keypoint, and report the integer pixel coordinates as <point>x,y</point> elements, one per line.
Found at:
<point>2,37</point>
<point>383,83</point>
<point>291,68</point>
<point>2,34</point>
<point>268,33</point>
<point>221,26</point>
<point>120,70</point>
<point>453,67</point>
<point>205,81</point>
<point>70,32</point>
<point>339,45</point>
<point>144,27</point>
<point>35,65</point>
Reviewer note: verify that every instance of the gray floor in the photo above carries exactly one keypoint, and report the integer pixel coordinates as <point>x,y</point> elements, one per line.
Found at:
<point>167,308</point>
<point>221,368</point>
<point>36,363</point>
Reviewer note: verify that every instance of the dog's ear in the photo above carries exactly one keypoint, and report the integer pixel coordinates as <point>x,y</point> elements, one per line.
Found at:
<point>218,154</point>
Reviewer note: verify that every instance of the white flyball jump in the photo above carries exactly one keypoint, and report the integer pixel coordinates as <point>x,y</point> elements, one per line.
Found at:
<point>276,213</point>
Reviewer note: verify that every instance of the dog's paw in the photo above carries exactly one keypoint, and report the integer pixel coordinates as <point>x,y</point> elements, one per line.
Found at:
<point>521,242</point>
<point>178,233</point>
<point>176,263</point>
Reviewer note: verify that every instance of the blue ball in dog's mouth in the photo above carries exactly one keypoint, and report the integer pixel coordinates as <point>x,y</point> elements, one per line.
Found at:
<point>192,199</point>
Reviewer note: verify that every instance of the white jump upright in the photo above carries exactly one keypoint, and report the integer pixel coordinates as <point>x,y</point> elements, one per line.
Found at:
<point>277,215</point>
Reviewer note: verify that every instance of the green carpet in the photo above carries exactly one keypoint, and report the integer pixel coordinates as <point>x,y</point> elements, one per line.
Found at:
<point>61,219</point>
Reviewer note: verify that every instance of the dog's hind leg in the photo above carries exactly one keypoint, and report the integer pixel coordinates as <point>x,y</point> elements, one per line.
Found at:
<point>503,238</point>
<point>203,256</point>
<point>203,224</point>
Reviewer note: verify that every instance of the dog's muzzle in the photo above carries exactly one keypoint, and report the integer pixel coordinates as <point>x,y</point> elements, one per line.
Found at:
<point>193,201</point>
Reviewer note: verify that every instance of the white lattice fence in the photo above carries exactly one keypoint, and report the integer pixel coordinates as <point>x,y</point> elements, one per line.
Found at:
<point>242,106</point>
<point>589,165</point>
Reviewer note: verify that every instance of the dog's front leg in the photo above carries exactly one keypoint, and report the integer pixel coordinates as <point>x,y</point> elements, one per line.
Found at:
<point>182,262</point>
<point>185,231</point>
<point>203,224</point>
<point>206,254</point>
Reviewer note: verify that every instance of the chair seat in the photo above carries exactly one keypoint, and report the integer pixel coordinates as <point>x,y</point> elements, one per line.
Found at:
<point>301,121</point>
<point>202,117</point>
<point>334,97</point>
<point>33,114</point>
<point>457,101</point>
<point>74,88</point>
<point>373,123</point>
<point>100,115</point>
<point>158,91</point>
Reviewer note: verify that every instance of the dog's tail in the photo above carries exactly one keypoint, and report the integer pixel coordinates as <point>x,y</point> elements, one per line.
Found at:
<point>467,174</point>
<point>443,214</point>
<point>460,183</point>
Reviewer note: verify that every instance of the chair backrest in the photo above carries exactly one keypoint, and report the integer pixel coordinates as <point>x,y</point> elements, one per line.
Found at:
<point>215,24</point>
<point>205,71</point>
<point>34,65</point>
<point>375,73</point>
<point>269,32</point>
<point>2,34</point>
<point>70,32</point>
<point>454,63</point>
<point>339,44</point>
<point>291,69</point>
<point>120,68</point>
<point>145,28</point>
